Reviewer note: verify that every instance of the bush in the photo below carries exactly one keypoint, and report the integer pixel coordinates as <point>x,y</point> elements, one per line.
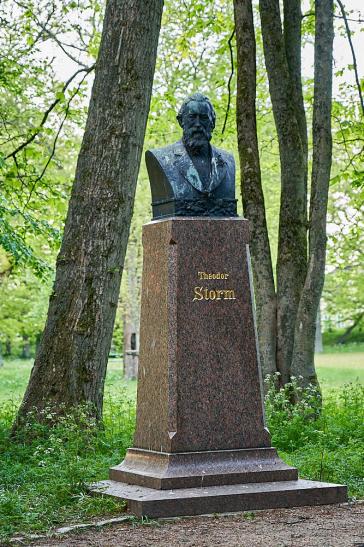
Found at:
<point>291,412</point>
<point>325,443</point>
<point>354,339</point>
<point>46,469</point>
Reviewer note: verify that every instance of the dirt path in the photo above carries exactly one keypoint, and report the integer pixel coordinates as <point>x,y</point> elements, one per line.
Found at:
<point>326,526</point>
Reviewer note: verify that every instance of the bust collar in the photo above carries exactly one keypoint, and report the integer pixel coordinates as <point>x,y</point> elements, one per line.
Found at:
<point>189,172</point>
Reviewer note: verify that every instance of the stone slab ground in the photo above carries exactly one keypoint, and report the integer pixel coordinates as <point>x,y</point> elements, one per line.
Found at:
<point>324,526</point>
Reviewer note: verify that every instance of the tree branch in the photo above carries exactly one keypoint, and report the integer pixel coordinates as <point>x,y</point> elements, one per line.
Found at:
<point>47,112</point>
<point>353,54</point>
<point>312,14</point>
<point>230,78</point>
<point>63,48</point>
<point>39,177</point>
<point>349,19</point>
<point>345,335</point>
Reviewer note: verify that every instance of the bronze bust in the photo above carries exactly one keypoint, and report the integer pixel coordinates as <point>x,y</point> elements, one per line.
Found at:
<point>192,177</point>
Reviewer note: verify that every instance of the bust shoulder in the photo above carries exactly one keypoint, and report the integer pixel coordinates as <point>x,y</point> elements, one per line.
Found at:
<point>224,155</point>
<point>166,153</point>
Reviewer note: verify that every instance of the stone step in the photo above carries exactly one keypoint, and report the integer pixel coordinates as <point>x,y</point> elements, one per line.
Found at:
<point>143,501</point>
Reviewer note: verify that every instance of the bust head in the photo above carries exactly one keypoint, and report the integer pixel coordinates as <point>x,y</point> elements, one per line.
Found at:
<point>197,119</point>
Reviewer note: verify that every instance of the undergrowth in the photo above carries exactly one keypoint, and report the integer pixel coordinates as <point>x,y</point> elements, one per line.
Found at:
<point>44,474</point>
<point>45,470</point>
<point>324,441</point>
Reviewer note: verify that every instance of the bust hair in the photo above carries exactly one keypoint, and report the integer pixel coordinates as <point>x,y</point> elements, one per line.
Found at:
<point>197,97</point>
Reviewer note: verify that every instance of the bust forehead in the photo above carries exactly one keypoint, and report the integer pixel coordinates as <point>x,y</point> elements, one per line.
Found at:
<point>196,104</point>
<point>198,107</point>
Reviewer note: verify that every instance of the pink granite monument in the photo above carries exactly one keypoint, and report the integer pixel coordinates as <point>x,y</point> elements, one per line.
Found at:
<point>201,444</point>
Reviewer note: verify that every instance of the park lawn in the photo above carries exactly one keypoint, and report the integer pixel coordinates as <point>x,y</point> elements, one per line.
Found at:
<point>336,369</point>
<point>333,369</point>
<point>14,376</point>
<point>44,476</point>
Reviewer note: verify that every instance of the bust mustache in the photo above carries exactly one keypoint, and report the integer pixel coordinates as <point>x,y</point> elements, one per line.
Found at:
<point>196,139</point>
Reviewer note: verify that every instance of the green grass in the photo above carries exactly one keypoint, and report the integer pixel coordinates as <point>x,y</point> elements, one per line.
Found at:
<point>337,369</point>
<point>333,369</point>
<point>323,443</point>
<point>14,376</point>
<point>44,474</point>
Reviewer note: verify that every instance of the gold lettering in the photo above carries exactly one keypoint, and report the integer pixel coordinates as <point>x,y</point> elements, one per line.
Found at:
<point>205,293</point>
<point>229,294</point>
<point>212,275</point>
<point>198,294</point>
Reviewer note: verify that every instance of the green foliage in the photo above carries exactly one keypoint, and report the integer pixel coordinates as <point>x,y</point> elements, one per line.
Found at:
<point>44,477</point>
<point>22,315</point>
<point>324,443</point>
<point>354,341</point>
<point>41,118</point>
<point>45,470</point>
<point>291,410</point>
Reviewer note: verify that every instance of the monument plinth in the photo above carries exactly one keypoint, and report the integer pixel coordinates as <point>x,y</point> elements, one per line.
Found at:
<point>201,444</point>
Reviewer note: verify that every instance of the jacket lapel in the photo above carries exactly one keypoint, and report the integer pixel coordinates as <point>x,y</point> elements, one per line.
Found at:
<point>185,166</point>
<point>218,169</point>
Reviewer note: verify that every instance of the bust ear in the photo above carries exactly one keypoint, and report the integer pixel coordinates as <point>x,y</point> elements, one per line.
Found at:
<point>179,119</point>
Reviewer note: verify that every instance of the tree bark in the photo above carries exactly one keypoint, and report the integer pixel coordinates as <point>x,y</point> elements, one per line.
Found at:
<point>292,238</point>
<point>292,24</point>
<point>131,316</point>
<point>319,348</point>
<point>303,354</point>
<point>71,362</point>
<point>251,184</point>
<point>25,352</point>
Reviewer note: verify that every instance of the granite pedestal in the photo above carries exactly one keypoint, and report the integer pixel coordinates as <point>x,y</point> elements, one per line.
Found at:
<point>201,444</point>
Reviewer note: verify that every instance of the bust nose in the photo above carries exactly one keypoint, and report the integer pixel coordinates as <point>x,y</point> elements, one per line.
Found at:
<point>197,121</point>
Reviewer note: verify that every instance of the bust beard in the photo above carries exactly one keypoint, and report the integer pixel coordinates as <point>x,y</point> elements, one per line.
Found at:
<point>196,145</point>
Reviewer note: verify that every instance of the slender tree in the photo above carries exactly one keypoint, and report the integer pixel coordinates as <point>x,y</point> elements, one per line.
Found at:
<point>286,315</point>
<point>305,325</point>
<point>71,362</point>
<point>292,236</point>
<point>251,184</point>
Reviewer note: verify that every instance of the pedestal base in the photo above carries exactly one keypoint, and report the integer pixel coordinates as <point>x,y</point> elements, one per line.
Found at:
<point>222,499</point>
<point>164,471</point>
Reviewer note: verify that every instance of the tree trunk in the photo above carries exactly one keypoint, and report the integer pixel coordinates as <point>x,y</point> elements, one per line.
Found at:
<point>292,43</point>
<point>71,362</point>
<point>251,185</point>
<point>25,352</point>
<point>319,348</point>
<point>131,316</point>
<point>292,238</point>
<point>342,339</point>
<point>8,347</point>
<point>303,354</point>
